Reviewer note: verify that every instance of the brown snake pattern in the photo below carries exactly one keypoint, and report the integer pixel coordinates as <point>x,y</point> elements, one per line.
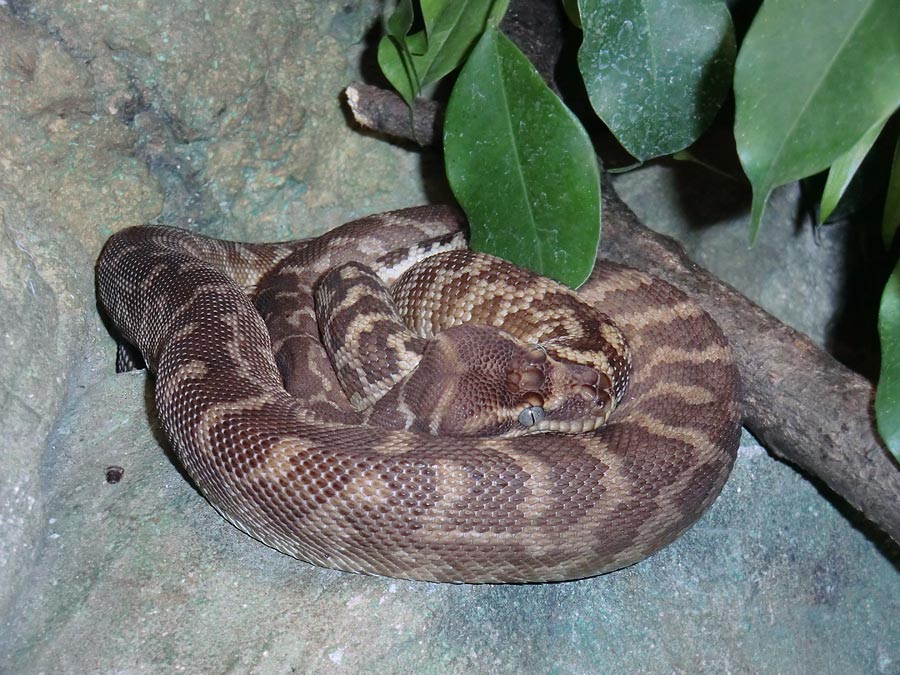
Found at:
<point>306,475</point>
<point>464,343</point>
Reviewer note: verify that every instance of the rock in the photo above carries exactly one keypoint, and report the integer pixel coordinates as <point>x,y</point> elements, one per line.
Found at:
<point>225,117</point>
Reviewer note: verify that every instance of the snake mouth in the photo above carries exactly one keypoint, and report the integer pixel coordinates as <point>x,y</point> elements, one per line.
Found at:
<point>577,426</point>
<point>580,425</point>
<point>573,426</point>
<point>562,421</point>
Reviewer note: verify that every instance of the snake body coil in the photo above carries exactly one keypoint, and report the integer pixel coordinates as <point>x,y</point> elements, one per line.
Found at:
<point>288,460</point>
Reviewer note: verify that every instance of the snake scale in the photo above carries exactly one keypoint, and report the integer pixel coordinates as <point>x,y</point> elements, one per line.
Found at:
<point>288,459</point>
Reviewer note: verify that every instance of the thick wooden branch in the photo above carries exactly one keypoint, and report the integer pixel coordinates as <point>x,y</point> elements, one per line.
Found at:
<point>802,404</point>
<point>377,109</point>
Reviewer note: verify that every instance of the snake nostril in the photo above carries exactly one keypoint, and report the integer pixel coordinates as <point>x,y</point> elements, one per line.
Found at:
<point>603,400</point>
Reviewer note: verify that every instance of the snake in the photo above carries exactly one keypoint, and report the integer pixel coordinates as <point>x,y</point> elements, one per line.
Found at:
<point>250,396</point>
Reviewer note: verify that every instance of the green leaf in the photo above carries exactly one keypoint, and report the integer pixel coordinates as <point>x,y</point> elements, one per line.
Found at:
<point>521,165</point>
<point>887,396</point>
<point>656,71</point>
<point>399,23</point>
<point>394,57</point>
<point>891,218</point>
<point>451,28</point>
<point>571,9</point>
<point>843,170</point>
<point>809,85</point>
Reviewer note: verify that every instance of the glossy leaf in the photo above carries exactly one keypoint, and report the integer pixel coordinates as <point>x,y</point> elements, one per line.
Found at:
<point>887,396</point>
<point>809,84</point>
<point>399,23</point>
<point>412,62</point>
<point>452,27</point>
<point>394,55</point>
<point>891,220</point>
<point>521,165</point>
<point>844,168</point>
<point>656,71</point>
<point>571,9</point>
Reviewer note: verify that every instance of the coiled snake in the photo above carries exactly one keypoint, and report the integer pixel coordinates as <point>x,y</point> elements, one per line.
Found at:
<point>365,490</point>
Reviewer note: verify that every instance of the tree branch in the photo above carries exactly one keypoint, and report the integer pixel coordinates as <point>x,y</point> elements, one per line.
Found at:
<point>801,403</point>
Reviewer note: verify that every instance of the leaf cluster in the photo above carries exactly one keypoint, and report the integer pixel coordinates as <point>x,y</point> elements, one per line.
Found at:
<point>814,89</point>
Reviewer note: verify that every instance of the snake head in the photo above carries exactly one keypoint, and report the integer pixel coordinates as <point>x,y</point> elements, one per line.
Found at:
<point>558,395</point>
<point>480,381</point>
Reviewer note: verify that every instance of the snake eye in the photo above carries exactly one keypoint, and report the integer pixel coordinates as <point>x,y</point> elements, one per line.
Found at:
<point>531,416</point>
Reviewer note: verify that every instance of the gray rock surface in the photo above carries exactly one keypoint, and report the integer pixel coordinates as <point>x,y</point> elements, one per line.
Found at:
<point>224,116</point>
